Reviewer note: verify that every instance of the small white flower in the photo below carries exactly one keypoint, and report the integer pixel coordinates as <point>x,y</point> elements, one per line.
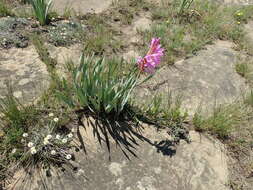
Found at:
<point>30,144</point>
<point>51,115</point>
<point>68,156</point>
<point>70,135</point>
<point>45,142</point>
<point>49,137</point>
<point>73,130</point>
<point>58,136</point>
<point>25,135</point>
<point>14,151</point>
<point>53,152</point>
<point>56,120</point>
<point>33,150</point>
<point>80,172</point>
<point>22,140</point>
<point>64,140</point>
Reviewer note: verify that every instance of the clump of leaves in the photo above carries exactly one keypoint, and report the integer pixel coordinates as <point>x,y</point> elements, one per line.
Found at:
<point>244,13</point>
<point>98,86</point>
<point>41,10</point>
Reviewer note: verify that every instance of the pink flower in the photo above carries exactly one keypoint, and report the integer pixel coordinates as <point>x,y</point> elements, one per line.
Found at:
<point>153,57</point>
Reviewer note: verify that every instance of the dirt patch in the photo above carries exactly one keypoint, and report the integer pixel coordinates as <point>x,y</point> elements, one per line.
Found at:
<point>141,22</point>
<point>81,6</point>
<point>64,54</point>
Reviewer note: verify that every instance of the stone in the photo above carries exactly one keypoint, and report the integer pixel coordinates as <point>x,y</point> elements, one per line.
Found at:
<point>130,55</point>
<point>199,165</point>
<point>17,94</point>
<point>200,81</point>
<point>27,75</point>
<point>142,23</point>
<point>249,30</point>
<point>81,6</point>
<point>23,81</point>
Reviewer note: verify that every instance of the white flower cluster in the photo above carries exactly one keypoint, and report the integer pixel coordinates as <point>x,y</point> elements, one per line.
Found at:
<point>33,149</point>
<point>56,119</point>
<point>65,139</point>
<point>48,143</point>
<point>47,139</point>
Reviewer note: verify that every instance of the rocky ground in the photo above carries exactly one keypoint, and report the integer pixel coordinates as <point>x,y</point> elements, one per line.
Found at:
<point>204,79</point>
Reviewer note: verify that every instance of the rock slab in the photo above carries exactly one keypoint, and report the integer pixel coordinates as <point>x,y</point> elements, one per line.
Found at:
<point>201,81</point>
<point>25,72</point>
<point>199,165</point>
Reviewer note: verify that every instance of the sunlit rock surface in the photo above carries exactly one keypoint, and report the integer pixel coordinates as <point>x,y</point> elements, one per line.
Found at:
<point>206,79</point>
<point>24,71</point>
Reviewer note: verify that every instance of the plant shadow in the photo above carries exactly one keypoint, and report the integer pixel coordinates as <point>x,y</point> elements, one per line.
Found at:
<point>126,135</point>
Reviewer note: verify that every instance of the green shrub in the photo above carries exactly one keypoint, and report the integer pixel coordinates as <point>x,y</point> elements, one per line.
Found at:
<point>99,86</point>
<point>4,10</point>
<point>184,5</point>
<point>41,10</point>
<point>15,119</point>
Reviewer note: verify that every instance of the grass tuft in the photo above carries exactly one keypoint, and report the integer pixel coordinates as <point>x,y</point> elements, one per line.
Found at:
<point>166,115</point>
<point>4,9</point>
<point>100,37</point>
<point>223,120</point>
<point>242,69</point>
<point>15,120</point>
<point>98,86</point>
<point>41,9</point>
